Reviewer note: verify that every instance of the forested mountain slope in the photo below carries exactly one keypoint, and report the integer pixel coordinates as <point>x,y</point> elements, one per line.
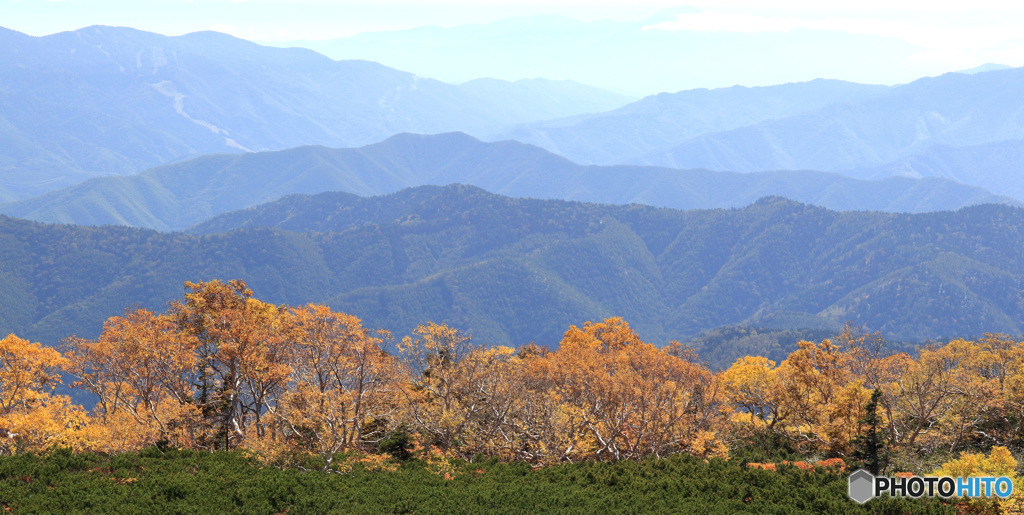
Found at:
<point>517,270</point>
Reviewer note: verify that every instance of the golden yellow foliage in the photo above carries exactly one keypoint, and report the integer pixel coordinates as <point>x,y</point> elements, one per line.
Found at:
<point>31,417</point>
<point>339,383</point>
<point>999,462</point>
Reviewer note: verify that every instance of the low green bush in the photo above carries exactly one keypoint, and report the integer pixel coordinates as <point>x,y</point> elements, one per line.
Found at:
<point>173,481</point>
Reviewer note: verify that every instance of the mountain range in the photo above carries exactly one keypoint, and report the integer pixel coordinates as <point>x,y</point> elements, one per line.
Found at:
<point>510,271</point>
<point>661,121</point>
<point>106,101</point>
<point>967,127</point>
<point>111,100</point>
<point>962,126</point>
<point>953,109</point>
<point>667,211</point>
<point>995,166</point>
<point>176,196</point>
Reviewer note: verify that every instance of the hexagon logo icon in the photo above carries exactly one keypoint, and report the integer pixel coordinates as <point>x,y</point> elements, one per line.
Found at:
<point>862,486</point>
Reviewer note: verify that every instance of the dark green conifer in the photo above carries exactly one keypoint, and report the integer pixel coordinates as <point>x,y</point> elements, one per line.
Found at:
<point>869,446</point>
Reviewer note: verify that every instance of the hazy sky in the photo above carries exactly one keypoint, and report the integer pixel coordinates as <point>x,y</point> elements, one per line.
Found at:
<point>298,19</point>
<point>958,25</point>
<point>957,34</point>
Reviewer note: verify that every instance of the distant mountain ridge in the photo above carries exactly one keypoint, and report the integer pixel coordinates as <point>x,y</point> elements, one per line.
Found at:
<point>987,67</point>
<point>995,166</point>
<point>510,271</point>
<point>174,197</point>
<point>953,109</point>
<point>964,126</point>
<point>116,101</point>
<point>109,100</point>
<point>636,56</point>
<point>668,119</point>
<point>113,101</point>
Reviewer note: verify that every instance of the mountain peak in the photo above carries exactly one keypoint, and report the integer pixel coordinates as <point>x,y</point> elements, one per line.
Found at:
<point>987,67</point>
<point>777,201</point>
<point>444,137</point>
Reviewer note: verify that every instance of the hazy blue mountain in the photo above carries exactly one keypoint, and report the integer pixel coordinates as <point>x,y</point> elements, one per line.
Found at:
<point>107,100</point>
<point>994,166</point>
<point>668,119</point>
<point>510,271</point>
<point>179,195</point>
<point>987,67</point>
<point>631,56</point>
<point>953,109</point>
<point>544,99</point>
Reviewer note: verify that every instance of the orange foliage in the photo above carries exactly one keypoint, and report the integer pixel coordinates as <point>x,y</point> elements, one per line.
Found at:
<point>141,369</point>
<point>618,397</point>
<point>833,463</point>
<point>802,465</point>
<point>222,369</point>
<point>339,382</point>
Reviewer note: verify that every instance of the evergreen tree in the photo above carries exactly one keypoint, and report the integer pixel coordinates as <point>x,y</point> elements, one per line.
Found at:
<point>869,447</point>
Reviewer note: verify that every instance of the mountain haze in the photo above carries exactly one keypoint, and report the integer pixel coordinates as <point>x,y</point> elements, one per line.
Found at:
<point>667,119</point>
<point>177,196</point>
<point>638,57</point>
<point>543,99</point>
<point>953,109</point>
<point>514,206</point>
<point>995,166</point>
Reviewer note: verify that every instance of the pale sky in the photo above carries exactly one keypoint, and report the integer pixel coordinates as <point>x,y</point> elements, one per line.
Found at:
<point>960,34</point>
<point>972,24</point>
<point>269,20</point>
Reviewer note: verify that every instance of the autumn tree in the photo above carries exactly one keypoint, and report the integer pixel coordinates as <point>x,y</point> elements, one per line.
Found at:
<point>241,346</point>
<point>442,396</point>
<point>828,398</point>
<point>865,355</point>
<point>753,386</point>
<point>996,368</point>
<point>143,370</point>
<point>31,416</point>
<point>998,463</point>
<point>977,394</point>
<point>813,397</point>
<point>622,398</point>
<point>923,394</point>
<point>505,424</point>
<point>342,387</point>
<point>529,418</point>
